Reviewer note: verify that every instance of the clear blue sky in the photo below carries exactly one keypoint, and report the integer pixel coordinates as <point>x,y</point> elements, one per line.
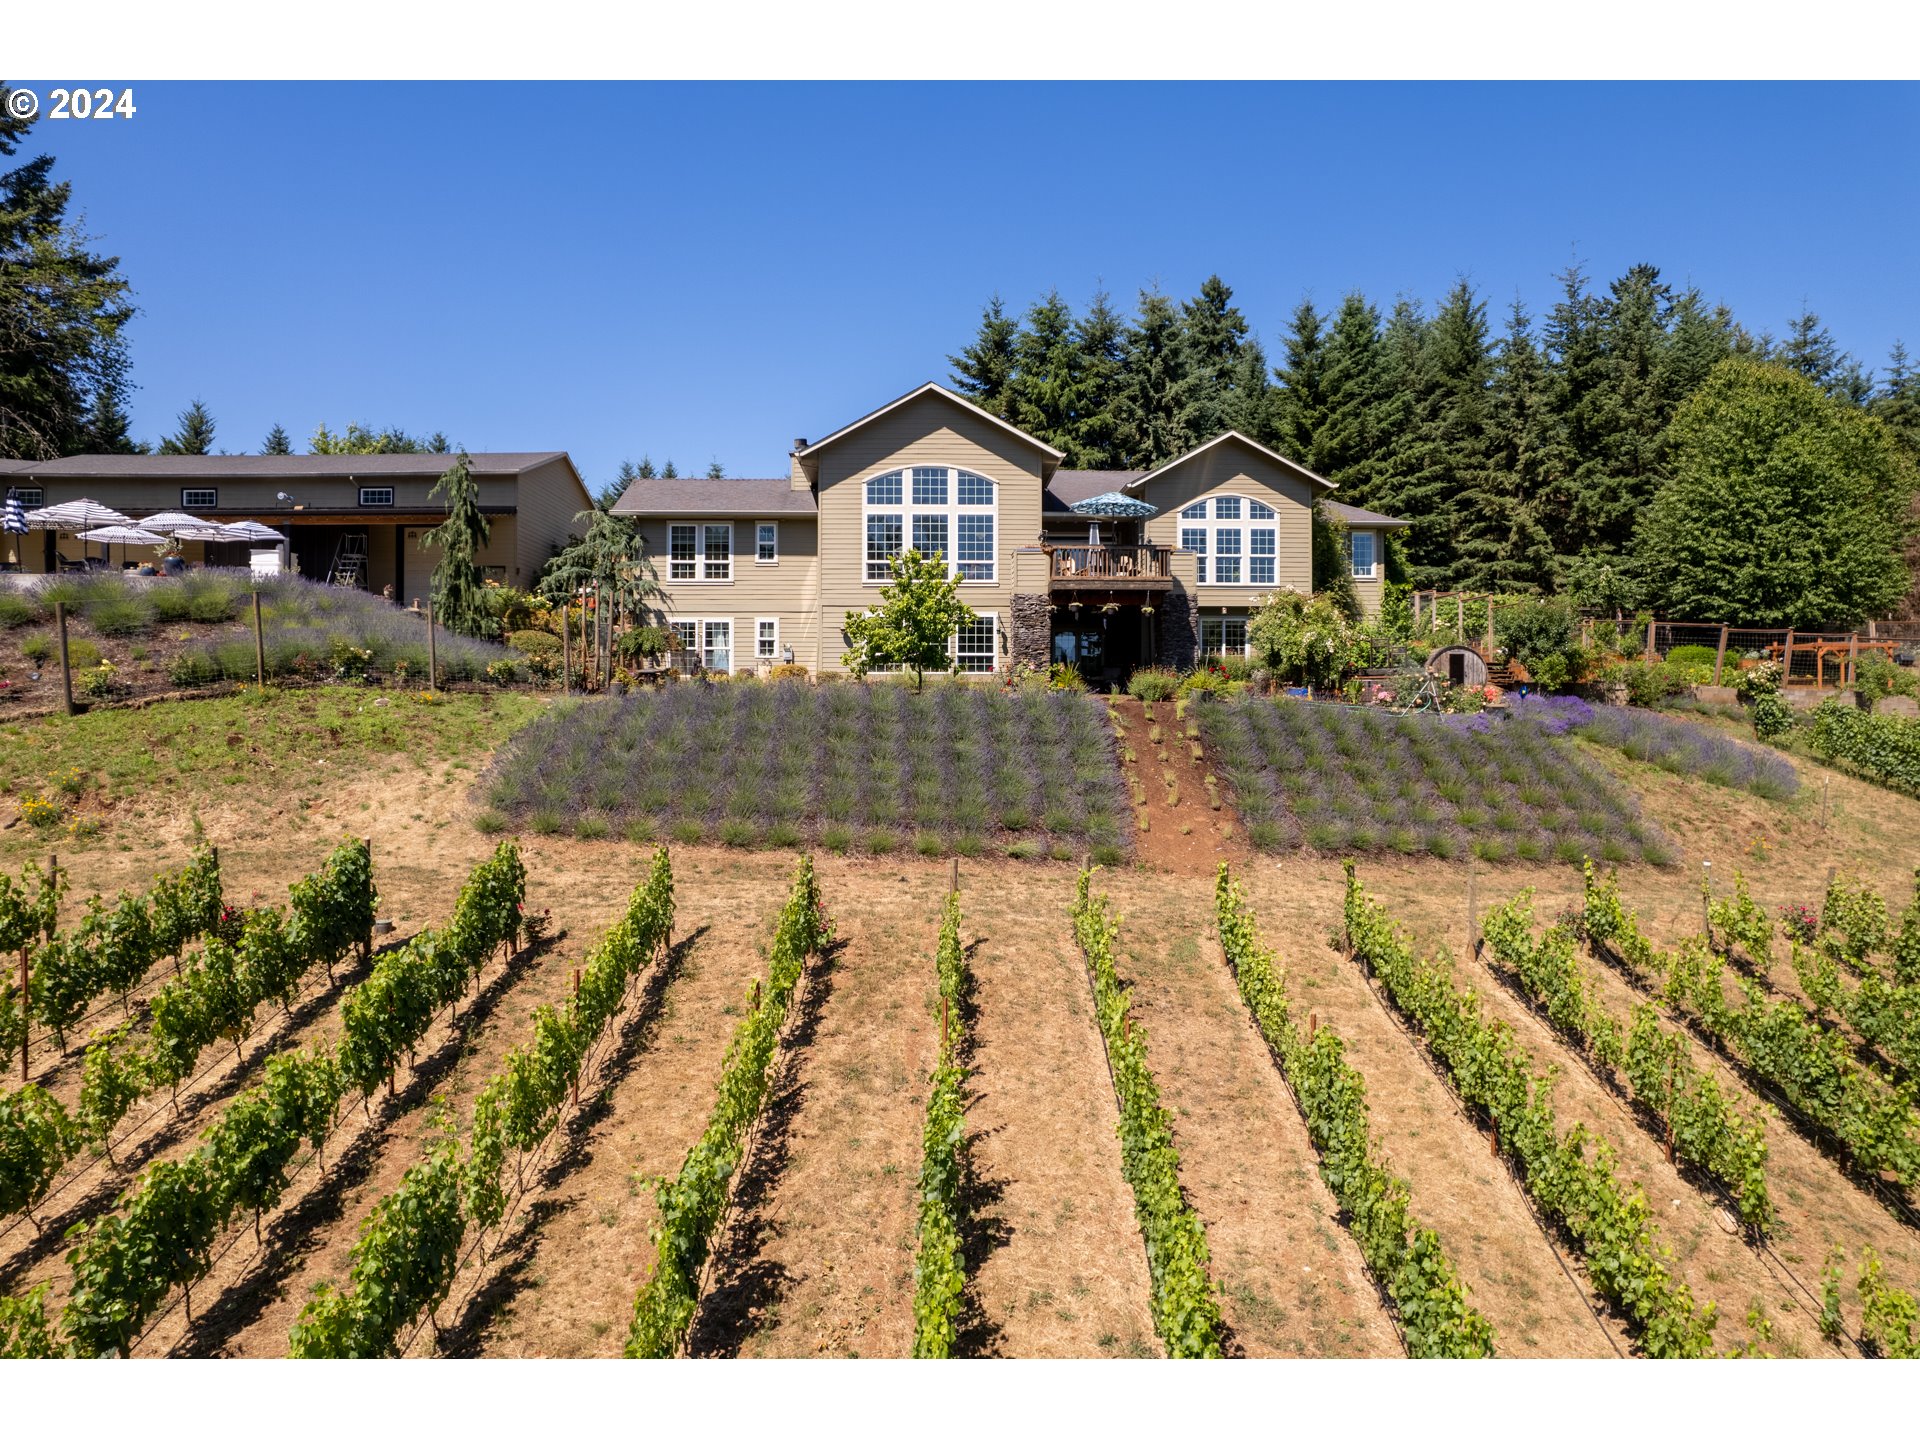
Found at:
<point>709,271</point>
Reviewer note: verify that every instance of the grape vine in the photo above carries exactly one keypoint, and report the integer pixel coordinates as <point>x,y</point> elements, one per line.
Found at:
<point>939,1271</point>
<point>1185,1312</point>
<point>1701,1124</point>
<point>691,1204</point>
<point>1437,1317</point>
<point>1492,1072</point>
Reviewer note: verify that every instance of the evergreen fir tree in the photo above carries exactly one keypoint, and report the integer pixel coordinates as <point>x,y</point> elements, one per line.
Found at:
<point>1809,350</point>
<point>716,471</point>
<point>277,442</point>
<point>1445,467</point>
<point>1212,333</point>
<point>1503,546</point>
<point>107,425</point>
<point>622,478</point>
<point>195,435</point>
<point>1249,404</point>
<point>1300,403</point>
<point>62,312</point>
<point>1353,431</point>
<point>668,472</point>
<point>983,372</point>
<point>1046,376</point>
<point>1897,401</point>
<point>459,601</point>
<point>1698,340</point>
<point>1100,337</point>
<point>1154,378</point>
<point>438,444</point>
<point>1576,362</point>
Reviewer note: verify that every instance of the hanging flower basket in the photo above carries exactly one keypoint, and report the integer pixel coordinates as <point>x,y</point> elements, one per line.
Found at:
<point>1110,608</point>
<point>1146,609</point>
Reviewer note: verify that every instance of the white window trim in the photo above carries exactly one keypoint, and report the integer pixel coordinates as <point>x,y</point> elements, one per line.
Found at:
<point>700,576</point>
<point>952,510</point>
<point>700,623</point>
<point>1245,526</point>
<point>186,504</point>
<point>775,558</point>
<point>953,646</point>
<point>1372,572</point>
<point>366,490</point>
<point>1222,621</point>
<point>758,621</point>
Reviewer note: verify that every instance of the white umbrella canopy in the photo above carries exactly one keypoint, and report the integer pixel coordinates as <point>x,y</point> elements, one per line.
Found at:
<point>173,520</point>
<point>204,530</point>
<point>252,530</point>
<point>75,515</point>
<point>122,535</point>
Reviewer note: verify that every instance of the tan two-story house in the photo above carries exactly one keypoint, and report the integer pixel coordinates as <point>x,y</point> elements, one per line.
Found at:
<point>1106,570</point>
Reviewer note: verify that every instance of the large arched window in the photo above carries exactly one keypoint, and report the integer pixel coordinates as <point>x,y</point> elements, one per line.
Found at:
<point>1235,537</point>
<point>937,510</point>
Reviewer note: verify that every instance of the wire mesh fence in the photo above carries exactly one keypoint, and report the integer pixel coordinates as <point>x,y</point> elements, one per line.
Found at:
<point>1819,658</point>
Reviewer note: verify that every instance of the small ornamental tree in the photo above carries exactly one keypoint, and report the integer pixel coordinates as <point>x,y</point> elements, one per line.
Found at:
<point>1301,638</point>
<point>914,623</point>
<point>459,599</point>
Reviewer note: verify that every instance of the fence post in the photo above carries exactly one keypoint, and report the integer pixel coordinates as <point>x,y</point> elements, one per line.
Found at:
<point>66,666</point>
<point>259,646</point>
<point>433,653</point>
<point>1489,627</point>
<point>1459,619</point>
<point>1652,649</point>
<point>566,652</point>
<point>1853,657</point>
<point>1786,662</point>
<point>1720,655</point>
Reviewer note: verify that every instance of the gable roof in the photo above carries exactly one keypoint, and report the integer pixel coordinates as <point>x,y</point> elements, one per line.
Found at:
<point>272,467</point>
<point>1221,439</point>
<point>1067,488</point>
<point>760,498</point>
<point>931,388</point>
<point>1354,515</point>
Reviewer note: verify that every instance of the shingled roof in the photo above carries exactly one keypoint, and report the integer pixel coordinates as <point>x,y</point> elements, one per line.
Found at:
<point>275,467</point>
<point>1068,488</point>
<point>767,498</point>
<point>1354,515</point>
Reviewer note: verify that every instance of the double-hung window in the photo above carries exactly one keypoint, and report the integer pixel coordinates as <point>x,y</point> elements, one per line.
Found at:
<point>766,639</point>
<point>1235,540</point>
<point>976,645</point>
<point>681,561</point>
<point>938,510</point>
<point>716,644</point>
<point>766,542</point>
<point>686,634</point>
<point>1360,547</point>
<point>716,554</point>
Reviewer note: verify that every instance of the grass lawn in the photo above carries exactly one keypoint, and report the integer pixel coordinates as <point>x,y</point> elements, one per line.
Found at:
<point>289,747</point>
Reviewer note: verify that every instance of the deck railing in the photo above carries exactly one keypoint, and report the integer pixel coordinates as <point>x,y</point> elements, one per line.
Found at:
<point>1111,562</point>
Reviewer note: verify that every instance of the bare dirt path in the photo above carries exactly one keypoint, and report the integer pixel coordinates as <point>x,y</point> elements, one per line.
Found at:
<point>562,1278</point>
<point>1293,1280</point>
<point>1185,835</point>
<point>818,1258</point>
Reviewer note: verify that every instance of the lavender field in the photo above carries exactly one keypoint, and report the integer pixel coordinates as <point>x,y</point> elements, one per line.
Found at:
<point>956,768</point>
<point>1342,779</point>
<point>1681,747</point>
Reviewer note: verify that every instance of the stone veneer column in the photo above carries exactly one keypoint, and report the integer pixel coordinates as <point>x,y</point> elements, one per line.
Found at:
<point>1177,639</point>
<point>1031,624</point>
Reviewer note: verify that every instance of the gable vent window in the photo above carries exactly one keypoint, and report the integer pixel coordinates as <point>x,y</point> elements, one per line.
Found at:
<point>199,499</point>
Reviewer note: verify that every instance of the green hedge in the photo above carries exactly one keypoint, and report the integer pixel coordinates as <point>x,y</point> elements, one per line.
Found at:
<point>1436,1315</point>
<point>1184,1310</point>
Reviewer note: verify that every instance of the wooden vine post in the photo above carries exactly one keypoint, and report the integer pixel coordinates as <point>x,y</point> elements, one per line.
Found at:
<point>366,943</point>
<point>259,646</point>
<point>566,653</point>
<point>1786,662</point>
<point>1720,655</point>
<point>944,1023</point>
<point>26,1011</point>
<point>66,663</point>
<point>433,653</point>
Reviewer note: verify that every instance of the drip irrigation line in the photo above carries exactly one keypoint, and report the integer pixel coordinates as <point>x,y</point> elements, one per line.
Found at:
<point>1506,1164</point>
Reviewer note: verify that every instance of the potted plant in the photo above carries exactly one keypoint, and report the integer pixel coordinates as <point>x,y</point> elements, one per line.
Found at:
<point>172,560</point>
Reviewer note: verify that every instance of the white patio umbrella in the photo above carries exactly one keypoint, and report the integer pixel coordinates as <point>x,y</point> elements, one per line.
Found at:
<point>172,520</point>
<point>253,530</point>
<point>75,515</point>
<point>123,535</point>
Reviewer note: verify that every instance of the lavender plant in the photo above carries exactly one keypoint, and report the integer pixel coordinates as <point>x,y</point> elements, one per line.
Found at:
<point>874,767</point>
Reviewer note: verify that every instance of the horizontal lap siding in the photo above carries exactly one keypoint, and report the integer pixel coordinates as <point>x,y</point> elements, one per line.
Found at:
<point>787,590</point>
<point>548,497</point>
<point>1232,469</point>
<point>1372,593</point>
<point>928,430</point>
